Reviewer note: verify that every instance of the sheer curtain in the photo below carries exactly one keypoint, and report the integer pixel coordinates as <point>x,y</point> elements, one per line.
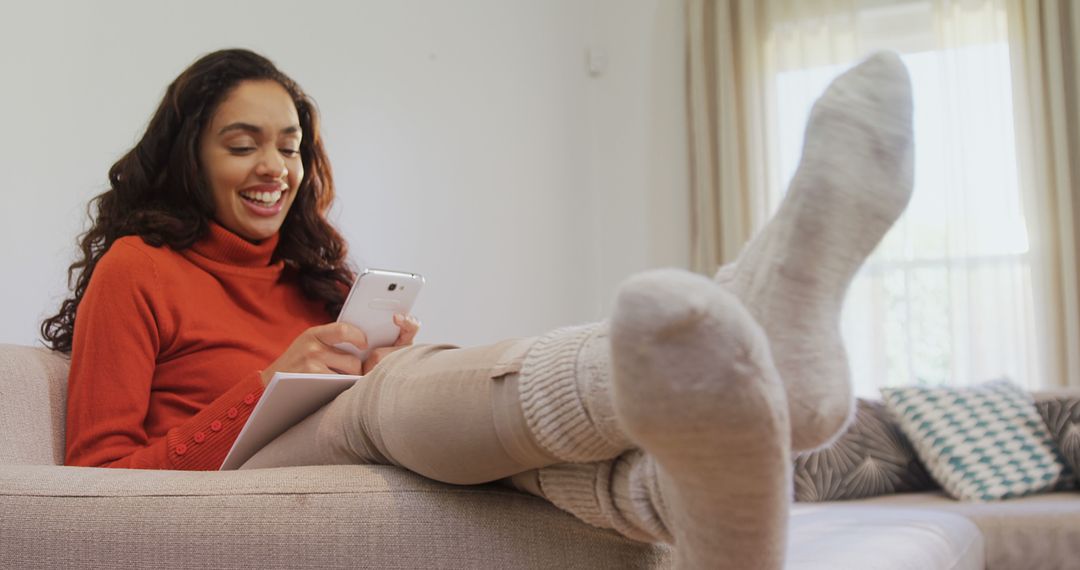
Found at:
<point>950,295</point>
<point>1045,45</point>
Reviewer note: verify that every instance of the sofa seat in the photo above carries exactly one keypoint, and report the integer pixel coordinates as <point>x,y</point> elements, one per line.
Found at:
<point>1037,532</point>
<point>346,516</point>
<point>843,537</point>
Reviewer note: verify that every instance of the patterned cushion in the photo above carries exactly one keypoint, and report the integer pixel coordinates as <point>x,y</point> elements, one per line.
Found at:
<point>1062,417</point>
<point>980,443</point>
<point>871,458</point>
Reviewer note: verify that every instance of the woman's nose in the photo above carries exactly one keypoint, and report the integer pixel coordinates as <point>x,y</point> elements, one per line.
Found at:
<point>272,165</point>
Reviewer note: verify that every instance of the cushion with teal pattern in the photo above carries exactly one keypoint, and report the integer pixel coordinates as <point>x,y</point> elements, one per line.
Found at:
<point>981,443</point>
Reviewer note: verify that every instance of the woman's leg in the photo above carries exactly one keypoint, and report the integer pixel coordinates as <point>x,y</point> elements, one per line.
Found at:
<point>468,415</point>
<point>854,180</point>
<point>695,384</point>
<point>696,388</point>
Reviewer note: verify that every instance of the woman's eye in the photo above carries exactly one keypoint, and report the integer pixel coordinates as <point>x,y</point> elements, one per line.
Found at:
<point>290,152</point>
<point>241,149</point>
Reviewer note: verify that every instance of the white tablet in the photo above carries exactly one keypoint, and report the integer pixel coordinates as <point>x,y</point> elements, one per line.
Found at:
<point>288,398</point>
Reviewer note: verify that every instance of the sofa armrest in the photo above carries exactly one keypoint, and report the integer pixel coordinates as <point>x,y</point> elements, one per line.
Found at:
<point>33,394</point>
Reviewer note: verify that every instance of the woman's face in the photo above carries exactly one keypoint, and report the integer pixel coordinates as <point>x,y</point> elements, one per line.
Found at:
<point>250,155</point>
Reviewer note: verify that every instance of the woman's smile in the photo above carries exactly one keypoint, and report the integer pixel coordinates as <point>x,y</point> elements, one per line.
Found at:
<point>264,200</point>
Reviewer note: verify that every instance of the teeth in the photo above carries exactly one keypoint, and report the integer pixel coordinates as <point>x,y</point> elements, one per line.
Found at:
<point>264,197</point>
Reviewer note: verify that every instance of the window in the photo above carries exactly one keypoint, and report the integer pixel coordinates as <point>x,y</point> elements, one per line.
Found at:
<point>947,296</point>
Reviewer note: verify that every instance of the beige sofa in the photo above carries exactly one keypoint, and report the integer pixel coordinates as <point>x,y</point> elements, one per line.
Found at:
<point>930,530</point>
<point>349,516</point>
<point>52,516</point>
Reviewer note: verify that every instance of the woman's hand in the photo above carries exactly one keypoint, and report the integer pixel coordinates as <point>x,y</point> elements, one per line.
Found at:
<point>313,352</point>
<point>409,326</point>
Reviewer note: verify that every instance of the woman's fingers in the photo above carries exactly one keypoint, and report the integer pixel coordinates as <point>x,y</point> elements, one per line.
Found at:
<point>375,356</point>
<point>334,334</point>
<point>342,362</point>
<point>409,326</point>
<point>315,351</point>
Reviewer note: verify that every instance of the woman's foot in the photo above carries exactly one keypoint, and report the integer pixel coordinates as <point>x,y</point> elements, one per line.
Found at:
<point>853,182</point>
<point>696,389</point>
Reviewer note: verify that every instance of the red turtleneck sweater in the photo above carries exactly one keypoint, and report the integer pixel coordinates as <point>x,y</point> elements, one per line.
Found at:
<point>168,348</point>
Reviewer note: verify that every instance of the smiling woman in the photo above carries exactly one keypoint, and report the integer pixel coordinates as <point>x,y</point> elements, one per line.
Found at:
<point>231,123</point>
<point>206,258</point>
<point>251,155</point>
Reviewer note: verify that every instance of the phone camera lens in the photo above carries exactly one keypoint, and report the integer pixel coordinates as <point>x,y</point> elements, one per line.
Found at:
<point>392,286</point>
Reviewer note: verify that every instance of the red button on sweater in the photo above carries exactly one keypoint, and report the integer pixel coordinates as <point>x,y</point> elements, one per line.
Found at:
<point>168,342</point>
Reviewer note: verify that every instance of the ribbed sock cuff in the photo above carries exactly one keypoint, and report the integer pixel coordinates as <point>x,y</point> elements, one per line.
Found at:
<point>577,487</point>
<point>553,401</point>
<point>635,490</point>
<point>605,494</point>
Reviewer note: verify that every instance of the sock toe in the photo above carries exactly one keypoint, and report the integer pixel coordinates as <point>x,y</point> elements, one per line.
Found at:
<point>696,390</point>
<point>681,350</point>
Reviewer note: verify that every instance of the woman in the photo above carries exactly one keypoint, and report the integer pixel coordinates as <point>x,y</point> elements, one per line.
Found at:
<point>210,265</point>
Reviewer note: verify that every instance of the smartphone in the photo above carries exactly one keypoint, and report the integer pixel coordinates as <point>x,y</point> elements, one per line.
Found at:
<point>376,295</point>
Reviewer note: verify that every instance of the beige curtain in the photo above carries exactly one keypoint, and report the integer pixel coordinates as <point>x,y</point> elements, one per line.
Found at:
<point>726,132</point>
<point>1046,51</point>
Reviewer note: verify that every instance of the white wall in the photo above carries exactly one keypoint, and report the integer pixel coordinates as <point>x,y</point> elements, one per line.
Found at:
<point>468,139</point>
<point>639,159</point>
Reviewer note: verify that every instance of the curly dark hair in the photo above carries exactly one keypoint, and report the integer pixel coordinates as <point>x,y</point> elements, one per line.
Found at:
<point>158,192</point>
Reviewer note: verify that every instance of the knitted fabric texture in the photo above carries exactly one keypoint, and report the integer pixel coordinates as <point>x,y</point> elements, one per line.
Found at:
<point>565,388</point>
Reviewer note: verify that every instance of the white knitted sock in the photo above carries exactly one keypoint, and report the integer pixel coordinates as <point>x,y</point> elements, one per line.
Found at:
<point>853,182</point>
<point>696,389</point>
<point>621,494</point>
<point>565,388</point>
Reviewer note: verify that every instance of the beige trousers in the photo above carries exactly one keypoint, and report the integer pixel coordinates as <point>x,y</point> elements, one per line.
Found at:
<point>450,414</point>
<point>455,415</point>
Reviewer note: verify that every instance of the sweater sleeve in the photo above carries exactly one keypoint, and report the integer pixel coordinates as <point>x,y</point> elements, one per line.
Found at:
<point>114,351</point>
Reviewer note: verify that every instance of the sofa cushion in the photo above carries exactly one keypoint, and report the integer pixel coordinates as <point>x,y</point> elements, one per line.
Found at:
<point>856,537</point>
<point>980,443</point>
<point>873,457</point>
<point>340,516</point>
<point>1037,532</point>
<point>1062,417</point>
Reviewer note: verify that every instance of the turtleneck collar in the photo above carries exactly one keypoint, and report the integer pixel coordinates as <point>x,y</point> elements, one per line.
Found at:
<point>223,246</point>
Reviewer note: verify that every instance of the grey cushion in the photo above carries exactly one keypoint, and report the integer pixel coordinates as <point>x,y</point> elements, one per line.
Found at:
<point>871,458</point>
<point>1062,417</point>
